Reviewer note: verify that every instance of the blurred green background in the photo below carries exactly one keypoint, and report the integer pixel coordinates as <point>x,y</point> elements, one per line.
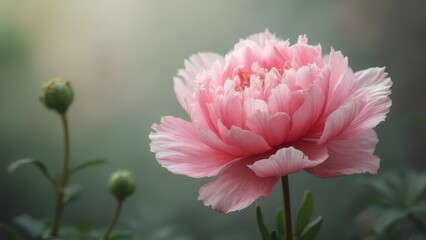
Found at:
<point>121,57</point>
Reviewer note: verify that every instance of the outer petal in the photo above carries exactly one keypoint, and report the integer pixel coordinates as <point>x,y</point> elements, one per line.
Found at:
<point>184,87</point>
<point>177,148</point>
<point>369,107</point>
<point>373,86</point>
<point>349,156</point>
<point>341,81</point>
<point>290,160</point>
<point>236,188</point>
<point>340,120</point>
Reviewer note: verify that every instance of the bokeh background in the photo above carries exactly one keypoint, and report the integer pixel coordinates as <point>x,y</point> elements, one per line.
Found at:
<point>121,57</point>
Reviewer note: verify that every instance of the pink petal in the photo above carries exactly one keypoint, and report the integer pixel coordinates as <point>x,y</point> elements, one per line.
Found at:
<point>177,148</point>
<point>340,120</point>
<point>228,109</point>
<point>372,86</point>
<point>349,156</point>
<point>308,114</point>
<point>284,100</point>
<point>213,141</point>
<point>236,188</point>
<point>247,141</point>
<point>274,129</point>
<point>341,81</point>
<point>369,107</point>
<point>184,85</point>
<point>291,160</point>
<point>305,54</point>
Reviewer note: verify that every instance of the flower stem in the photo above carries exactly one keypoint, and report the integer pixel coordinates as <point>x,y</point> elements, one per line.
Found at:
<point>287,208</point>
<point>60,187</point>
<point>113,220</point>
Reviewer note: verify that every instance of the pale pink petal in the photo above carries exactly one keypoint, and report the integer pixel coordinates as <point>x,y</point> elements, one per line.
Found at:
<point>228,110</point>
<point>287,161</point>
<point>284,100</point>
<point>372,83</point>
<point>340,120</point>
<point>304,54</point>
<point>184,85</point>
<point>240,58</point>
<point>246,141</point>
<point>308,114</point>
<point>274,129</point>
<point>369,107</point>
<point>259,38</point>
<point>212,140</point>
<point>372,86</point>
<point>355,155</point>
<point>177,148</point>
<point>341,81</point>
<point>236,188</point>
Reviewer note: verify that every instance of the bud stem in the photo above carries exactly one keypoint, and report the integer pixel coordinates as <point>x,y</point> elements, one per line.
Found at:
<point>113,220</point>
<point>287,208</point>
<point>60,187</point>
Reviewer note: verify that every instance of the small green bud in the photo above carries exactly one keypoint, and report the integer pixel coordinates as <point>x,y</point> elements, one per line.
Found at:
<point>121,184</point>
<point>58,95</point>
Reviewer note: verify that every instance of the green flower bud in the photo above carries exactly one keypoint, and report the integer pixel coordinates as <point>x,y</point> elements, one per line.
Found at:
<point>58,95</point>
<point>121,184</point>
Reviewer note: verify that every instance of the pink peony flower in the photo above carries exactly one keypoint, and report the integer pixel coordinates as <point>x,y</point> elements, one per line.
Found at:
<point>268,109</point>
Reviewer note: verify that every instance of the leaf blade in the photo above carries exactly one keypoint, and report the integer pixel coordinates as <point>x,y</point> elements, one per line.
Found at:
<point>280,223</point>
<point>305,213</point>
<point>87,164</point>
<point>262,228</point>
<point>39,164</point>
<point>312,229</point>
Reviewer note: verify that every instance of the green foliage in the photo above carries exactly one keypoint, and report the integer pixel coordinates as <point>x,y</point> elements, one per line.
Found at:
<point>24,161</point>
<point>34,227</point>
<point>280,222</point>
<point>304,230</point>
<point>87,164</point>
<point>305,213</point>
<point>39,229</point>
<point>400,200</point>
<point>262,227</point>
<point>72,193</point>
<point>312,229</point>
<point>10,231</point>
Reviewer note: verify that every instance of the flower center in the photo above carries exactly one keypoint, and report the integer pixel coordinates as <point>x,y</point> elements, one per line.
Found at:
<point>243,78</point>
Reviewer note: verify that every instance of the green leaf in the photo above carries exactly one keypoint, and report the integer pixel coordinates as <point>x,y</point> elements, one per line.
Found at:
<point>418,208</point>
<point>71,194</point>
<point>305,213</point>
<point>90,163</point>
<point>389,217</point>
<point>84,226</point>
<point>11,232</point>
<point>280,222</point>
<point>40,165</point>
<point>382,187</point>
<point>33,227</point>
<point>262,228</point>
<point>416,187</point>
<point>312,229</point>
